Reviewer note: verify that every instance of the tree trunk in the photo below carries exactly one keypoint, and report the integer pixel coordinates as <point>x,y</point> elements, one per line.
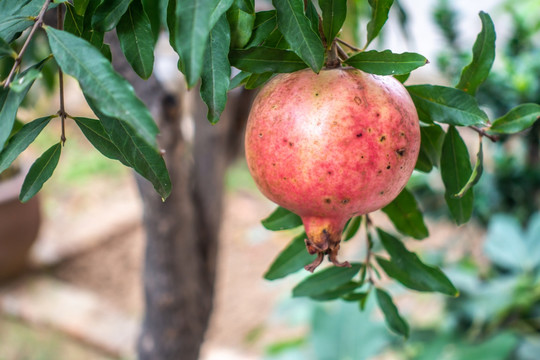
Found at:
<point>182,232</point>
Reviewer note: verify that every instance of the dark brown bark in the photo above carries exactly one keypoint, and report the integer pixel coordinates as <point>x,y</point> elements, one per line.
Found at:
<point>182,232</point>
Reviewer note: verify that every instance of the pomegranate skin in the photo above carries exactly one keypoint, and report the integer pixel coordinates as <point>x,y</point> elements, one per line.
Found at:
<point>330,146</point>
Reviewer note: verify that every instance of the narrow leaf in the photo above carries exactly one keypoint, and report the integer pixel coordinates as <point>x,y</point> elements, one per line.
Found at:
<point>96,134</point>
<point>391,313</point>
<point>265,23</point>
<point>108,14</point>
<point>405,215</point>
<point>407,268</point>
<point>73,22</point>
<point>518,119</point>
<point>16,16</point>
<point>239,79</point>
<point>297,30</point>
<point>40,171</point>
<point>325,280</point>
<point>263,59</point>
<point>447,105</point>
<point>336,293</point>
<point>6,50</point>
<point>432,138</point>
<point>386,62</point>
<point>11,99</point>
<point>219,9</point>
<point>111,93</point>
<point>352,228</point>
<point>379,15</point>
<point>139,154</point>
<point>282,219</point>
<point>193,25</point>
<point>476,172</point>
<point>256,80</point>
<point>455,172</point>
<point>241,24</point>
<point>474,74</point>
<point>334,13</point>
<point>217,70</point>
<point>20,141</point>
<point>136,39</point>
<point>293,258</point>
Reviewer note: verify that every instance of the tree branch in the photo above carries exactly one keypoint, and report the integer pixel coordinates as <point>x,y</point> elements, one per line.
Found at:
<point>62,111</point>
<point>38,23</point>
<point>483,132</point>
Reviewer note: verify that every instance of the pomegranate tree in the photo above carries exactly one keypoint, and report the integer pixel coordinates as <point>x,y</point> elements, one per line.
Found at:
<point>330,146</point>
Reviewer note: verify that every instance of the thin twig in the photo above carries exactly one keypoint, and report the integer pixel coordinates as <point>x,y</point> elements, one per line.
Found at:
<point>341,53</point>
<point>352,47</point>
<point>367,264</point>
<point>38,23</point>
<point>482,132</point>
<point>62,111</point>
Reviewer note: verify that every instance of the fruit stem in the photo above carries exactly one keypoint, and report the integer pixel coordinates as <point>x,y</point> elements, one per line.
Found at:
<point>333,61</point>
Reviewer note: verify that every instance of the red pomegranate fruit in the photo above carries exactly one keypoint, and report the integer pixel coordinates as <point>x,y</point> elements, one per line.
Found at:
<point>330,146</point>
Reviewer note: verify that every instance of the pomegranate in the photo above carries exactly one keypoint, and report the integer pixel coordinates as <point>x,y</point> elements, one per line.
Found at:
<point>330,146</point>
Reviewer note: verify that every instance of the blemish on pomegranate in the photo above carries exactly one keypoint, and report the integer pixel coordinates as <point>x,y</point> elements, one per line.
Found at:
<point>328,200</point>
<point>361,156</point>
<point>381,193</point>
<point>260,135</point>
<point>273,164</point>
<point>369,130</point>
<point>400,152</point>
<point>345,201</point>
<point>316,94</point>
<point>329,173</point>
<point>388,167</point>
<point>378,114</point>
<point>284,178</point>
<point>290,144</point>
<point>402,134</point>
<point>359,135</point>
<point>379,172</point>
<point>383,138</point>
<point>357,100</point>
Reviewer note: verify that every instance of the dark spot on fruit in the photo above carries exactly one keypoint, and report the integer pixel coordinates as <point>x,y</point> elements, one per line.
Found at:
<point>379,172</point>
<point>378,114</point>
<point>359,135</point>
<point>401,134</point>
<point>388,167</point>
<point>345,201</point>
<point>260,134</point>
<point>334,122</point>
<point>401,167</point>
<point>400,152</point>
<point>382,138</point>
<point>369,130</point>
<point>362,156</point>
<point>329,173</point>
<point>316,94</point>
<point>285,140</point>
<point>273,164</point>
<point>357,100</point>
<point>284,178</point>
<point>328,200</point>
<point>381,193</point>
<point>290,144</point>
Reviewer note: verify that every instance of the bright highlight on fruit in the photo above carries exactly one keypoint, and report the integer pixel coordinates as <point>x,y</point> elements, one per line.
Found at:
<point>331,146</point>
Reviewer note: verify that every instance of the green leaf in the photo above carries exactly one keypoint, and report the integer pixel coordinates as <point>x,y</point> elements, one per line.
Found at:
<point>193,26</point>
<point>138,154</point>
<point>334,13</point>
<point>6,50</point>
<point>474,74</point>
<point>447,105</point>
<point>296,29</point>
<point>476,172</point>
<point>517,119</point>
<point>20,141</point>
<point>263,59</point>
<point>386,62</point>
<point>405,215</point>
<point>82,6</point>
<point>391,314</point>
<point>455,172</point>
<point>96,134</point>
<point>11,99</point>
<point>379,15</point>
<point>293,258</point>
<point>256,80</point>
<point>111,93</point>
<point>108,14</point>
<point>152,9</point>
<point>325,280</point>
<point>336,293</point>
<point>355,296</point>
<point>239,80</point>
<point>220,8</point>
<point>241,23</point>
<point>136,39</point>
<point>432,138</point>
<point>352,228</point>
<point>73,22</point>
<point>217,70</point>
<point>407,268</point>
<point>40,171</point>
<point>313,16</point>
<point>282,219</point>
<point>16,16</point>
<point>265,23</point>
<point>276,40</point>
